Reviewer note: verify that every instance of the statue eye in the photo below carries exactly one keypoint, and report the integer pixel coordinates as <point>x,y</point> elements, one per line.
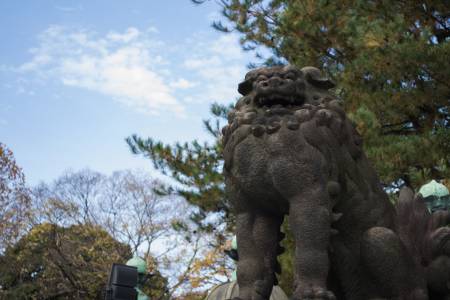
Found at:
<point>290,76</point>
<point>261,78</point>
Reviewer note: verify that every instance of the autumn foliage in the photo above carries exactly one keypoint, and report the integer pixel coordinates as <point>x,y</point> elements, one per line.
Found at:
<point>14,199</point>
<point>53,262</point>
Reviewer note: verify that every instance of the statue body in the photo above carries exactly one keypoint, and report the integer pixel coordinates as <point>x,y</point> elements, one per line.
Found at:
<point>290,149</point>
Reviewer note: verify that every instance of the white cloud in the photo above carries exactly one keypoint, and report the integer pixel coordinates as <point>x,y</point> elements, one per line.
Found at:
<point>152,29</point>
<point>39,60</point>
<point>202,62</point>
<point>182,84</point>
<point>121,65</point>
<point>214,16</point>
<point>131,34</point>
<point>69,9</point>
<point>219,65</point>
<point>136,68</point>
<point>227,45</point>
<point>23,90</point>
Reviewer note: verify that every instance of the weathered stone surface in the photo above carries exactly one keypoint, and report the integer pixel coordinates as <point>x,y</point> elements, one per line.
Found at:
<point>304,158</point>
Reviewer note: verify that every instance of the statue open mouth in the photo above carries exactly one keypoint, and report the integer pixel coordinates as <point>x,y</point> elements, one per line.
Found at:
<point>279,100</point>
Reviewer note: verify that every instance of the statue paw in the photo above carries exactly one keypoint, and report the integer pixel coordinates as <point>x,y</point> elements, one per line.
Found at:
<point>262,289</point>
<point>312,292</point>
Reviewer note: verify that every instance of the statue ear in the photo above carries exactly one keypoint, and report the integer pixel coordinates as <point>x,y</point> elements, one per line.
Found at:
<point>245,87</point>
<point>315,77</point>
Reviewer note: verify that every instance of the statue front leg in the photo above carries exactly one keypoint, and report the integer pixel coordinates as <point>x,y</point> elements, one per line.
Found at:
<point>257,239</point>
<point>309,219</point>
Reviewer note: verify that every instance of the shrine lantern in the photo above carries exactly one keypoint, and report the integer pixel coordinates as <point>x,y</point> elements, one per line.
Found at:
<point>436,196</point>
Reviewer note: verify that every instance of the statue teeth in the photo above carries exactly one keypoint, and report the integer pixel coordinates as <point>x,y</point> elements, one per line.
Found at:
<point>278,110</point>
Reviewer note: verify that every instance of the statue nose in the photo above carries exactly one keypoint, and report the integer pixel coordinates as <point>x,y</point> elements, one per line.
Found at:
<point>275,82</point>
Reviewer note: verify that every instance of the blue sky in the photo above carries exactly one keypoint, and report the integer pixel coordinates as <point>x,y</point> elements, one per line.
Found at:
<point>77,77</point>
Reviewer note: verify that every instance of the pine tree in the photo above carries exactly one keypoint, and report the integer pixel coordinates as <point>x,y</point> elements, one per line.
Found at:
<point>196,169</point>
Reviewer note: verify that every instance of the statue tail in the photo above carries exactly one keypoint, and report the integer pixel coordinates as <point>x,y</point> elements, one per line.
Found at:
<point>427,237</point>
<point>413,224</point>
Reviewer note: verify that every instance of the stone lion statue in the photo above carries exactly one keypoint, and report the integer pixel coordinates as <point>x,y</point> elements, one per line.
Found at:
<point>289,149</point>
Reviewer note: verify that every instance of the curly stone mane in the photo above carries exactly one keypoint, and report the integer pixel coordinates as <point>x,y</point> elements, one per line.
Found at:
<point>263,116</point>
